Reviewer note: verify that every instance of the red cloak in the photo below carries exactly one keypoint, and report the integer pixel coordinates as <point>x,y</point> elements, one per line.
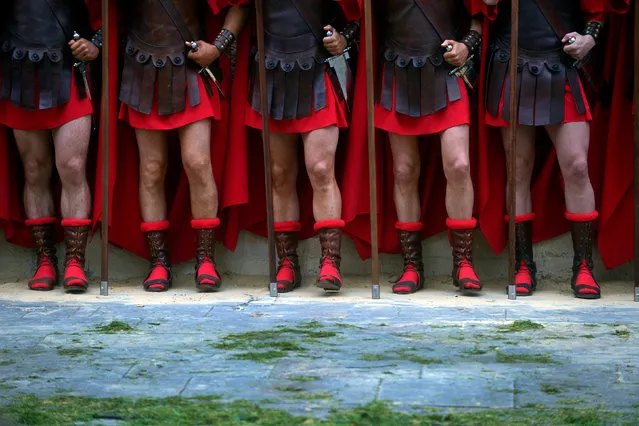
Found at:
<point>547,185</point>
<point>12,214</point>
<point>229,159</point>
<point>355,190</point>
<point>615,126</point>
<point>253,217</point>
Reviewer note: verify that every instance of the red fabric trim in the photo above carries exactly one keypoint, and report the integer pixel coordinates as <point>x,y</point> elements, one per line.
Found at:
<point>582,217</point>
<point>205,223</point>
<point>45,119</point>
<point>209,107</point>
<point>154,226</point>
<point>455,114</point>
<point>461,224</point>
<point>522,218</point>
<point>76,222</point>
<point>329,224</point>
<point>570,109</point>
<point>288,226</point>
<point>40,221</point>
<point>409,226</point>
<point>334,114</point>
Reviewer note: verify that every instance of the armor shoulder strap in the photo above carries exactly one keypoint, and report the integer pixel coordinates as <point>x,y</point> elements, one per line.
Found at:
<point>434,16</point>
<point>177,19</point>
<point>549,10</point>
<point>313,20</point>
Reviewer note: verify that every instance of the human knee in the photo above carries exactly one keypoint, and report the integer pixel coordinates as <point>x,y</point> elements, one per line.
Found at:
<point>37,171</point>
<point>72,170</point>
<point>406,173</point>
<point>577,170</point>
<point>457,170</point>
<point>197,167</point>
<point>282,177</point>
<point>321,173</point>
<point>152,173</point>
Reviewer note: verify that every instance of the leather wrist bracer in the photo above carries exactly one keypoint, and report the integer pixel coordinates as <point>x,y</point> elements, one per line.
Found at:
<point>593,29</point>
<point>351,33</point>
<point>97,39</point>
<point>472,40</point>
<point>224,39</point>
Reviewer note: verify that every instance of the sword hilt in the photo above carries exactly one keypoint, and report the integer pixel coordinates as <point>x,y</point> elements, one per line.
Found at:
<point>76,36</point>
<point>194,47</point>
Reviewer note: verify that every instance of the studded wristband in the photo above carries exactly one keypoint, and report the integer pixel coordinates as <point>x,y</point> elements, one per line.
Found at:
<point>97,39</point>
<point>224,39</point>
<point>593,29</point>
<point>351,33</point>
<point>472,40</point>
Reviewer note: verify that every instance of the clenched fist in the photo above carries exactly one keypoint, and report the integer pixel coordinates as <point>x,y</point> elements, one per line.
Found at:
<point>83,50</point>
<point>581,46</point>
<point>336,43</point>
<point>458,55</point>
<point>205,55</point>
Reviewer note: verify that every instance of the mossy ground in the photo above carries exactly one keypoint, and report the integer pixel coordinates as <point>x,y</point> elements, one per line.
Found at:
<point>66,410</point>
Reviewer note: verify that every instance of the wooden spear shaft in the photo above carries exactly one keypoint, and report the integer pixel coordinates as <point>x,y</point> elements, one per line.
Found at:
<point>372,165</point>
<point>266,143</point>
<point>636,118</point>
<point>512,162</point>
<point>104,275</point>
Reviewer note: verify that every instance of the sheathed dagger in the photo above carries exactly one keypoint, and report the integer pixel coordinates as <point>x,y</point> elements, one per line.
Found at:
<point>206,72</point>
<point>340,73</point>
<point>82,67</point>
<point>462,70</point>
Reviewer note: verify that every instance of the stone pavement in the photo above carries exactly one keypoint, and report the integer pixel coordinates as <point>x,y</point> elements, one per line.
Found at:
<point>306,357</point>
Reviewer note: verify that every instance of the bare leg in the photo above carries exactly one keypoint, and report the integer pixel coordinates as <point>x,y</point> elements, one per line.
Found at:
<point>153,149</point>
<point>571,142</point>
<point>71,147</point>
<point>406,169</point>
<point>319,153</point>
<point>459,186</point>
<point>284,169</point>
<point>525,162</point>
<point>37,158</point>
<point>195,140</point>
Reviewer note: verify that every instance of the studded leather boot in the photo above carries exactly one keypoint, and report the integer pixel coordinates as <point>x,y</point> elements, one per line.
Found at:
<point>289,275</point>
<point>160,276</point>
<point>462,237</point>
<point>43,234</point>
<point>76,236</point>
<point>330,236</point>
<point>207,278</point>
<point>583,282</point>
<point>410,242</point>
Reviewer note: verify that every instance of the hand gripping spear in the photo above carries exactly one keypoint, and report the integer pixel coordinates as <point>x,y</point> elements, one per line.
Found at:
<point>266,143</point>
<point>636,100</point>
<point>372,166</point>
<point>512,168</point>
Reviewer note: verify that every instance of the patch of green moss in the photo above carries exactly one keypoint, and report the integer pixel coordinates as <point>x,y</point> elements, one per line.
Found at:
<point>303,378</point>
<point>519,326</point>
<point>311,396</point>
<point>5,362</point>
<point>524,358</point>
<point>75,352</point>
<point>4,386</point>
<point>289,389</point>
<point>587,336</point>
<point>113,327</point>
<point>550,390</point>
<point>574,401</point>
<point>622,333</point>
<point>342,325</point>
<point>591,325</point>
<point>476,351</point>
<point>266,357</point>
<point>209,410</point>
<point>372,357</point>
